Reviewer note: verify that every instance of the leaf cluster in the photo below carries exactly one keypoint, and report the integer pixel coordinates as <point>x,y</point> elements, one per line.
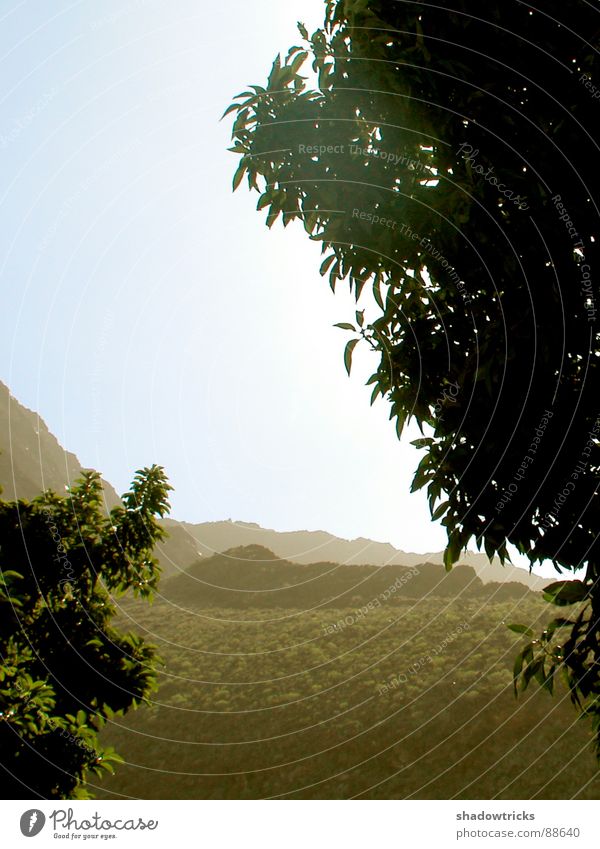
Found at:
<point>65,670</point>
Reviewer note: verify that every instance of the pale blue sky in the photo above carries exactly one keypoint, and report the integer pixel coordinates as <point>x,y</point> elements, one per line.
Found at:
<point>149,315</point>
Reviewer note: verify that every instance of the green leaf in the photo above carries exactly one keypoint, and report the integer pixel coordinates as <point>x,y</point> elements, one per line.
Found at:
<point>440,510</point>
<point>349,350</point>
<point>360,317</point>
<point>333,274</point>
<point>324,72</point>
<point>502,553</point>
<point>111,755</point>
<point>264,200</point>
<point>274,213</point>
<point>549,679</point>
<point>237,177</point>
<point>565,592</point>
<point>453,550</point>
<point>533,670</point>
<point>327,263</point>
<point>343,325</point>
<point>558,623</point>
<point>377,293</point>
<point>423,442</point>
<point>10,573</point>
<point>449,558</point>
<point>521,629</point>
<point>232,108</point>
<point>518,666</point>
<point>489,546</point>
<point>310,219</point>
<point>400,421</point>
<point>298,61</point>
<point>273,80</point>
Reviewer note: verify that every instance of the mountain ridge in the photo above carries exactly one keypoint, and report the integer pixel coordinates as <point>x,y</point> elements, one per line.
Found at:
<point>253,577</point>
<point>31,457</point>
<point>308,546</point>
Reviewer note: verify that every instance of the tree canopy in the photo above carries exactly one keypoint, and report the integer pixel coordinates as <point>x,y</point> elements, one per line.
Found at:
<point>65,670</point>
<point>443,155</point>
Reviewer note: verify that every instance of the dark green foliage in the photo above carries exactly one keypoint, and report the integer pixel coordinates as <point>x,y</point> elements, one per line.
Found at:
<point>412,699</point>
<point>444,159</point>
<point>65,669</point>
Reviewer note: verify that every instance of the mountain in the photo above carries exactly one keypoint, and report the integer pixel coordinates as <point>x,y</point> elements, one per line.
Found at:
<point>32,459</point>
<point>310,546</point>
<point>253,577</point>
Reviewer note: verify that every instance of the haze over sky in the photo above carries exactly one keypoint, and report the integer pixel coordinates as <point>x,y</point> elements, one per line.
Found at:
<point>149,315</point>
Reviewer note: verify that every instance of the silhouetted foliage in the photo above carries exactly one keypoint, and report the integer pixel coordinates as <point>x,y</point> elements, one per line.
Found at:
<point>444,158</point>
<point>64,668</point>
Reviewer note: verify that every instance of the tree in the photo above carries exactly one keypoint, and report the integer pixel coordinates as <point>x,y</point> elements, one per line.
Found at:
<point>443,155</point>
<point>65,669</point>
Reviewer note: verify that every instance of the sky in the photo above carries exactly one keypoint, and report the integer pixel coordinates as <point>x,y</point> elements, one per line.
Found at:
<point>149,315</point>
